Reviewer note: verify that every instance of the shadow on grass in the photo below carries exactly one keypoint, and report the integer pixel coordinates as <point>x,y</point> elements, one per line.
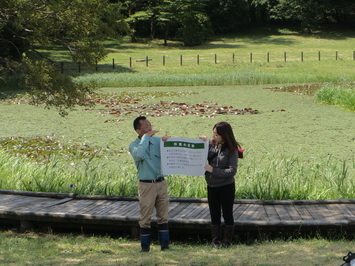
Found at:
<point>75,70</point>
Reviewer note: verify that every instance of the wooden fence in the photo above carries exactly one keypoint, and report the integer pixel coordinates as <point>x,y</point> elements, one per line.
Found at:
<point>182,60</point>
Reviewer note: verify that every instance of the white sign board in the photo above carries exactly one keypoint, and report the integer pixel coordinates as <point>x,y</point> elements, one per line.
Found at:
<point>181,156</point>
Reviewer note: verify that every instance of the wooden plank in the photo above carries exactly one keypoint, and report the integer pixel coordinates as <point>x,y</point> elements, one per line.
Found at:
<point>293,213</point>
<point>71,207</point>
<point>337,212</point>
<point>80,206</point>
<point>4,199</point>
<point>271,213</point>
<point>195,209</point>
<point>104,209</point>
<point>119,209</point>
<point>11,202</point>
<point>303,212</point>
<point>124,208</point>
<point>89,209</point>
<point>118,206</point>
<point>133,208</point>
<point>239,209</point>
<point>263,216</point>
<point>253,212</point>
<point>247,214</point>
<point>351,208</point>
<point>206,214</point>
<point>200,210</point>
<point>313,212</point>
<point>128,209</point>
<point>173,205</point>
<point>30,203</point>
<point>259,213</point>
<point>175,211</point>
<point>282,212</point>
<point>344,212</point>
<point>134,212</point>
<point>326,213</point>
<point>184,212</point>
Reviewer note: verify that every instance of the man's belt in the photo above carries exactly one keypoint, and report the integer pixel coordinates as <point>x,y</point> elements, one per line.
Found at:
<point>152,181</point>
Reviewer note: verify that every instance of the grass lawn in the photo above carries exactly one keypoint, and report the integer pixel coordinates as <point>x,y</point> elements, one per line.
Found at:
<point>68,249</point>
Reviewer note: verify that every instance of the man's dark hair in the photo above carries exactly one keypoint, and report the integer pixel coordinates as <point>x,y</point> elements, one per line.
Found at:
<point>137,122</point>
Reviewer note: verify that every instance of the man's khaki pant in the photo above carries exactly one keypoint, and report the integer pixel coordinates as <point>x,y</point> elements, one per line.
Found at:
<point>153,196</point>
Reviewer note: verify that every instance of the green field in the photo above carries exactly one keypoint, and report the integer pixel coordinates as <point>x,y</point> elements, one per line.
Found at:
<point>69,249</point>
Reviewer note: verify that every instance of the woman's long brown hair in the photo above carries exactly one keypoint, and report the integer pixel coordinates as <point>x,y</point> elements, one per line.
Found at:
<point>225,130</point>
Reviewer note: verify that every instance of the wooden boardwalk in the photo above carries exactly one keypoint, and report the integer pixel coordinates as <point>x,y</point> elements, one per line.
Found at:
<point>28,209</point>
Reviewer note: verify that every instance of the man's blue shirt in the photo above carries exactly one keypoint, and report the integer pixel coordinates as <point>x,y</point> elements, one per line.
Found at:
<point>146,155</point>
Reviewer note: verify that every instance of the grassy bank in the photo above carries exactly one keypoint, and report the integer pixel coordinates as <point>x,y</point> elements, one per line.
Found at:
<point>44,249</point>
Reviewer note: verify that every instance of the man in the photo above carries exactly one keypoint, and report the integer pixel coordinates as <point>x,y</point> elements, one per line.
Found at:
<point>152,188</point>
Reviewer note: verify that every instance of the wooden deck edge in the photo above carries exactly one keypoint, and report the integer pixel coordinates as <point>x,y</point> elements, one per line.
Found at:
<point>26,215</point>
<point>175,199</point>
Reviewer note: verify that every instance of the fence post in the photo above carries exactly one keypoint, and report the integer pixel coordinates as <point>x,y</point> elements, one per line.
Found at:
<point>336,55</point>
<point>62,67</point>
<point>353,55</point>
<point>284,56</point>
<point>233,58</point>
<point>251,57</point>
<point>113,63</point>
<point>130,62</point>
<point>319,56</point>
<point>146,61</point>
<point>198,59</point>
<point>163,60</point>
<point>215,58</point>
<point>302,56</point>
<point>268,57</point>
<point>180,60</point>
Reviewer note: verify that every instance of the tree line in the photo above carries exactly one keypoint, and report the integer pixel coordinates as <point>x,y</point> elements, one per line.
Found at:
<point>80,26</point>
<point>194,21</point>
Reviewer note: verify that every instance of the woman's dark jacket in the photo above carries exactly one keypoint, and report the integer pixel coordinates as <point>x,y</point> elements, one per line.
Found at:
<point>224,165</point>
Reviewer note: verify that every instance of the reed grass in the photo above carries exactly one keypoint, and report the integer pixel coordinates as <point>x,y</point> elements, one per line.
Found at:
<point>273,177</point>
<point>219,75</point>
<point>341,95</point>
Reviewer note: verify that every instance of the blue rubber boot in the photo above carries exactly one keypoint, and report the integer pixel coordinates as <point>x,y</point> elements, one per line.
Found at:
<point>146,239</point>
<point>164,238</point>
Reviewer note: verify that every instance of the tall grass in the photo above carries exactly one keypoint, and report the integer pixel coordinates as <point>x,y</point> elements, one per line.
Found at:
<point>238,74</point>
<point>342,95</point>
<point>274,177</point>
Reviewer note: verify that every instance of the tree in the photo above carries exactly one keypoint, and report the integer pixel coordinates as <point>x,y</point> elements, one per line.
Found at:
<point>187,16</point>
<point>77,25</point>
<point>307,14</point>
<point>229,16</point>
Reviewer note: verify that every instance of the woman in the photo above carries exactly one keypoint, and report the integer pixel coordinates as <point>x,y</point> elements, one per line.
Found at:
<point>220,171</point>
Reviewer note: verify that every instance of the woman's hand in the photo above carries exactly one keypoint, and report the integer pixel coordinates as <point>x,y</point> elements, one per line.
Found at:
<point>208,168</point>
<point>204,138</point>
